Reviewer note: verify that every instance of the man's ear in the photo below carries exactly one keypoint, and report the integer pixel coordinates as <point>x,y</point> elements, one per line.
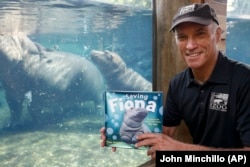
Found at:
<point>218,34</point>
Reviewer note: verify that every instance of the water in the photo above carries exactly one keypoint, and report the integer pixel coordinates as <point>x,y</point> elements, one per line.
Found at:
<point>77,27</point>
<point>238,21</point>
<point>237,46</point>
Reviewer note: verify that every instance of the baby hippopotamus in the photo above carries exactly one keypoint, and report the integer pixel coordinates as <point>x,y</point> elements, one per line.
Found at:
<point>117,75</point>
<point>133,125</point>
<point>54,79</point>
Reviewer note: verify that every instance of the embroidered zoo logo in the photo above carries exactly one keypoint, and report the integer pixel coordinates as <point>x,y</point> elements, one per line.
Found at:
<point>219,101</point>
<point>186,9</point>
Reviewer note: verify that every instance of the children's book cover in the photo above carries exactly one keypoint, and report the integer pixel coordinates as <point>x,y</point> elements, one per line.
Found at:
<point>128,114</point>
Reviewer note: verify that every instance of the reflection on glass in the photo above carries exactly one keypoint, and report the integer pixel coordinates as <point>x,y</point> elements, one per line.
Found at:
<point>56,59</point>
<point>238,21</point>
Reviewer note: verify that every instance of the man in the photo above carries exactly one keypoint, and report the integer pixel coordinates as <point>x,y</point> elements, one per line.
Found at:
<point>212,95</point>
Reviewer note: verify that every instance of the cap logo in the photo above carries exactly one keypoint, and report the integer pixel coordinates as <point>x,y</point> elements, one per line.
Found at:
<point>186,9</point>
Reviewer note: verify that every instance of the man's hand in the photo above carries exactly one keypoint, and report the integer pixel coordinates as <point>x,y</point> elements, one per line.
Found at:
<point>158,142</point>
<point>103,138</point>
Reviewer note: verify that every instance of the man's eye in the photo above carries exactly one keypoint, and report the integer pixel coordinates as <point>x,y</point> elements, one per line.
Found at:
<point>181,38</point>
<point>201,33</point>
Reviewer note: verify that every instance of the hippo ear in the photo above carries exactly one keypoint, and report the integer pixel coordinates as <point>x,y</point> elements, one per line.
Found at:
<point>111,54</point>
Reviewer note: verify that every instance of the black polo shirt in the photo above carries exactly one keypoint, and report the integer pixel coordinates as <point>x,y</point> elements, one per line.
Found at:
<point>217,112</point>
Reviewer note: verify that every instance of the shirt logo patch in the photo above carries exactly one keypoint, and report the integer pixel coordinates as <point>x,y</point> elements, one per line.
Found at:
<point>218,101</point>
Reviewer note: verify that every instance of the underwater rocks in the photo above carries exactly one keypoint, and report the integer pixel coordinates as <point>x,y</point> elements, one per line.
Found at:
<point>55,79</point>
<point>116,73</point>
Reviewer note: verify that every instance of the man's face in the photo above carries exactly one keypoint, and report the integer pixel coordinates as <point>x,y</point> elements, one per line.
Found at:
<point>197,44</point>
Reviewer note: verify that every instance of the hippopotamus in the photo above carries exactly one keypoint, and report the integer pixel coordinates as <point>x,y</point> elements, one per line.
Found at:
<point>133,125</point>
<point>116,73</point>
<point>55,79</point>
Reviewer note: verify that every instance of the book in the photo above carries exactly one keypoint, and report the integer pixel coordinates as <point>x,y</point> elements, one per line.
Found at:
<point>130,113</point>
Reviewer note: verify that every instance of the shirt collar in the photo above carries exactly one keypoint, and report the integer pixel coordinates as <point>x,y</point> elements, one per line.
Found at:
<point>219,75</point>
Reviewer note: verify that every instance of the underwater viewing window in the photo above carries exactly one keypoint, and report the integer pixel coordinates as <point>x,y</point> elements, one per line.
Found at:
<point>238,22</point>
<point>57,57</point>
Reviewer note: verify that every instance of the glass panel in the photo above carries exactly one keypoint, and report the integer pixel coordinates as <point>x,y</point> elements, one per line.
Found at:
<point>56,59</point>
<point>238,23</point>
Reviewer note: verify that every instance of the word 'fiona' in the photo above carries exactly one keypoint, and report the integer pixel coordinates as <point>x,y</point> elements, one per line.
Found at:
<point>117,104</point>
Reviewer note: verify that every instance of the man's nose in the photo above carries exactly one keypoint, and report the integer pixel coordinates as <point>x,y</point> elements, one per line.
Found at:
<point>191,43</point>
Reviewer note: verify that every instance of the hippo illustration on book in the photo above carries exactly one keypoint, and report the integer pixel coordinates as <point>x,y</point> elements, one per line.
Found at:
<point>117,75</point>
<point>133,125</point>
<point>53,78</point>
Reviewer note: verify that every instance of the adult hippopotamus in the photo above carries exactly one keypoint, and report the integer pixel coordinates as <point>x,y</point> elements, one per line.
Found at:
<point>55,79</point>
<point>116,73</point>
<point>133,125</point>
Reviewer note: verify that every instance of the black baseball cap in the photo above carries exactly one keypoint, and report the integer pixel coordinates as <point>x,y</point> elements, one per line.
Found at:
<point>196,13</point>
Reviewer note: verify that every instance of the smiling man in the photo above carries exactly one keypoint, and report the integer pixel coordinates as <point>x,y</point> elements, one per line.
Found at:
<point>212,95</point>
